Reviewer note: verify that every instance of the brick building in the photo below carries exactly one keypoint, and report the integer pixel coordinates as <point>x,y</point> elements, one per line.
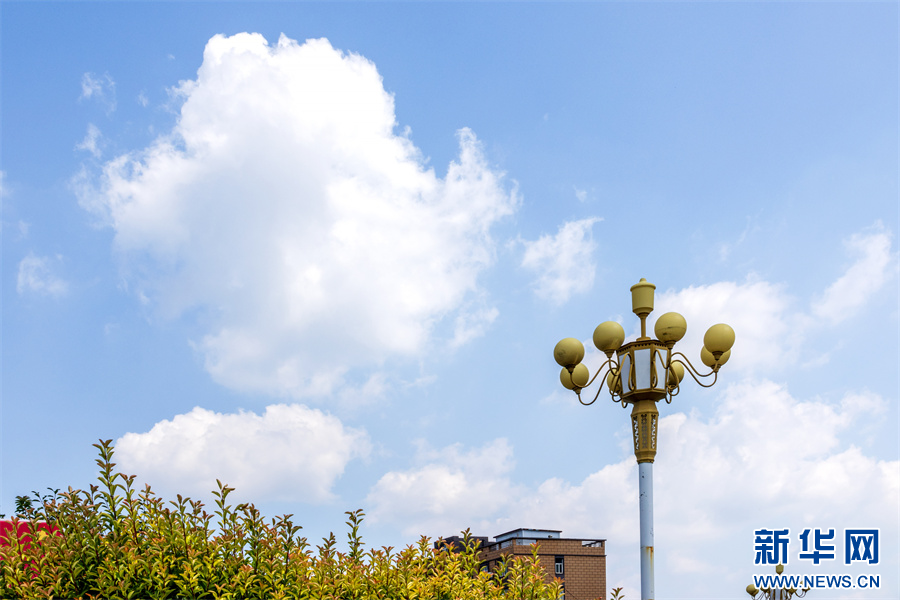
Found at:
<point>579,564</point>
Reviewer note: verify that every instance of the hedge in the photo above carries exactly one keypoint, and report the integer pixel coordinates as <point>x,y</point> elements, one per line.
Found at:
<point>112,541</point>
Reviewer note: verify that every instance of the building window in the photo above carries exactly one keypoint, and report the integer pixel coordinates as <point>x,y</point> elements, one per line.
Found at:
<point>560,568</point>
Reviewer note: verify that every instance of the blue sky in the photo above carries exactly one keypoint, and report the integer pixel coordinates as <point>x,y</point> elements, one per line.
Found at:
<point>324,251</point>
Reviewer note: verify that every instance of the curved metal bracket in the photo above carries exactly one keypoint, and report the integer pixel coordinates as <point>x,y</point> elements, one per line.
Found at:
<point>694,373</point>
<point>608,365</point>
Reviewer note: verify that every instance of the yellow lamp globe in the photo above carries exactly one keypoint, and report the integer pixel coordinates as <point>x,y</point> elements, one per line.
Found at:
<point>724,357</point>
<point>675,374</point>
<point>568,352</point>
<point>608,337</point>
<point>613,381</point>
<point>670,327</point>
<point>577,378</point>
<point>719,338</point>
<point>711,361</point>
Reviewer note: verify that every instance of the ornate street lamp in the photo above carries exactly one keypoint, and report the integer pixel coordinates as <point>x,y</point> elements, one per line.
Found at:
<point>774,593</point>
<point>642,373</point>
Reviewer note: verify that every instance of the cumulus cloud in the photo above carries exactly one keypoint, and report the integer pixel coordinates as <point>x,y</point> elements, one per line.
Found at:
<point>758,311</point>
<point>36,276</point>
<point>290,452</point>
<point>100,88</point>
<point>763,455</point>
<point>450,489</point>
<point>564,263</point>
<point>769,456</point>
<point>286,209</point>
<point>874,265</point>
<point>769,325</point>
<point>454,488</point>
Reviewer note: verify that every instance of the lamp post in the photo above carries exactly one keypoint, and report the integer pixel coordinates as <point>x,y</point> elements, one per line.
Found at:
<point>642,373</point>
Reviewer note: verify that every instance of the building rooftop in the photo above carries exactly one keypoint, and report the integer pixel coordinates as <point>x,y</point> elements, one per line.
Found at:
<point>523,532</point>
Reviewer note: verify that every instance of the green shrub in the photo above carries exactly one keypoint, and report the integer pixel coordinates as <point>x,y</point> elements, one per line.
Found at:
<point>114,542</point>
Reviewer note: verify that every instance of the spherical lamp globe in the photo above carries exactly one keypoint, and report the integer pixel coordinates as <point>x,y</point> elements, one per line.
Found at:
<point>670,327</point>
<point>608,337</point>
<point>568,352</point>
<point>613,381</point>
<point>719,338</point>
<point>577,378</point>
<point>675,375</point>
<point>711,361</point>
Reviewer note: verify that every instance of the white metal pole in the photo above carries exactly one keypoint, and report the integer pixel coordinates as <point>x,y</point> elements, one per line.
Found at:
<point>645,473</point>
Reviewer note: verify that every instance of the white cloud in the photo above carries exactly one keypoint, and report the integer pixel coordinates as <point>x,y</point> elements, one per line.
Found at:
<point>143,100</point>
<point>769,331</point>
<point>564,263</point>
<point>453,488</point>
<point>873,267</point>
<point>101,88</point>
<point>36,276</point>
<point>91,140</point>
<point>768,457</point>
<point>290,452</point>
<point>450,490</point>
<point>285,207</point>
<point>758,311</point>
<point>764,459</point>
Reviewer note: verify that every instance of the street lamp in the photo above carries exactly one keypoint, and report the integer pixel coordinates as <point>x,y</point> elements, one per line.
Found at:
<point>642,373</point>
<point>774,593</point>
